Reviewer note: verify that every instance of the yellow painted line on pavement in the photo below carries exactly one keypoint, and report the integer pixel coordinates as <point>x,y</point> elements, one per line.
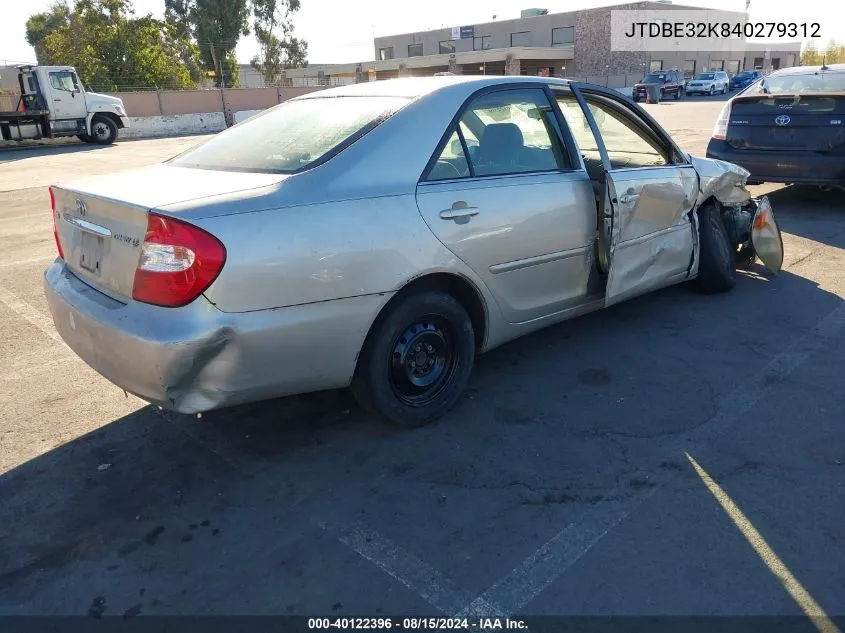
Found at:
<point>801,596</point>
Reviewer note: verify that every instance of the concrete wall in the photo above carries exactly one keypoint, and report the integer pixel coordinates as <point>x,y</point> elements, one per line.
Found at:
<point>169,102</point>
<point>174,125</point>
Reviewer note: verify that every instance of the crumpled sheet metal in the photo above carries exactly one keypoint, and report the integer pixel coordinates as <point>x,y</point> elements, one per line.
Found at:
<point>722,180</point>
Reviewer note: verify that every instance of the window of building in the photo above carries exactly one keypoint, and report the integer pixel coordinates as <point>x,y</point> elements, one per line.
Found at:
<point>655,65</point>
<point>481,43</point>
<point>523,38</point>
<point>733,66</point>
<point>775,63</point>
<point>689,68</point>
<point>790,60</point>
<point>563,36</point>
<point>415,50</point>
<point>717,64</point>
<point>758,63</point>
<point>385,53</point>
<point>447,46</point>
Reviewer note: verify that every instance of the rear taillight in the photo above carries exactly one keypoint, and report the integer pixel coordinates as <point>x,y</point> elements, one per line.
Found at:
<point>55,225</point>
<point>720,130</point>
<point>178,263</point>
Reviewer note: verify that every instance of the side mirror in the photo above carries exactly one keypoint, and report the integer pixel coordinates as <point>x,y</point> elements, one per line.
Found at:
<point>534,113</point>
<point>457,148</point>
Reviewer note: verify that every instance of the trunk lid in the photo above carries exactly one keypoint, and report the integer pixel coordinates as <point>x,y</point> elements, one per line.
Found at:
<point>101,222</point>
<point>812,123</point>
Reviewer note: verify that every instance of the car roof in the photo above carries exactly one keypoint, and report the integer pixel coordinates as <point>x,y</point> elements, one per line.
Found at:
<point>807,70</point>
<point>412,87</point>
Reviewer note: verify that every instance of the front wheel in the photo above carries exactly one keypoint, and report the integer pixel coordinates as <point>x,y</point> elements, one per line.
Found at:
<point>417,360</point>
<point>712,90</point>
<point>103,130</point>
<point>677,94</point>
<point>717,263</point>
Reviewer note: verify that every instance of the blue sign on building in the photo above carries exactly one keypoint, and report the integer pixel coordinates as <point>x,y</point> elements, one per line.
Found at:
<point>467,31</point>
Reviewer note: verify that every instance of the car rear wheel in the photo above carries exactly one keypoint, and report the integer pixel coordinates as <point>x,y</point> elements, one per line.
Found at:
<point>717,265</point>
<point>417,360</point>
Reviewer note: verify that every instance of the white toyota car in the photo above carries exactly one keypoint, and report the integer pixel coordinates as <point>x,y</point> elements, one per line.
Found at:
<point>716,82</point>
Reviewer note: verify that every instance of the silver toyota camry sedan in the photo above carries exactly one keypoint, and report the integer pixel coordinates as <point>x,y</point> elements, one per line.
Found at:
<point>379,236</point>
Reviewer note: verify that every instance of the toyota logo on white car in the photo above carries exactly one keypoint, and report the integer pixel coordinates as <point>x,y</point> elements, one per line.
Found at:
<point>782,120</point>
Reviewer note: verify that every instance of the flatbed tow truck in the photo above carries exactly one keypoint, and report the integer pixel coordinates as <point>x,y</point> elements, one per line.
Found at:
<point>53,103</point>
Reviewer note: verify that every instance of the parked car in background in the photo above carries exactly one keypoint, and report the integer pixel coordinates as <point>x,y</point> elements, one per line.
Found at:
<point>671,83</point>
<point>745,79</point>
<point>710,83</point>
<point>380,235</point>
<point>787,127</point>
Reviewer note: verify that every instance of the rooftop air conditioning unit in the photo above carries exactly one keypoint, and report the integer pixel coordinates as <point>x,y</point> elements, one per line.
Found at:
<point>532,13</point>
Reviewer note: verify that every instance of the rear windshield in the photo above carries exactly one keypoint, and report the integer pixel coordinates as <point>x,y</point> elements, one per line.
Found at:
<point>800,83</point>
<point>706,76</point>
<point>291,137</point>
<point>655,77</point>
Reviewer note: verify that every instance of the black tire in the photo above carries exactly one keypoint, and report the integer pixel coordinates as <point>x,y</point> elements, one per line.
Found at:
<point>677,94</point>
<point>103,130</point>
<point>712,90</point>
<point>430,328</point>
<point>717,265</point>
<point>84,138</point>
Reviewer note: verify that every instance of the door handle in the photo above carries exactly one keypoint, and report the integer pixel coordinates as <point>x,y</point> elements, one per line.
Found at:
<point>459,210</point>
<point>56,99</point>
<point>628,197</point>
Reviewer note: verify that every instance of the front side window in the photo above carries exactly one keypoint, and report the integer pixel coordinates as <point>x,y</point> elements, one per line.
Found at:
<point>627,145</point>
<point>512,132</point>
<point>64,80</point>
<point>291,137</point>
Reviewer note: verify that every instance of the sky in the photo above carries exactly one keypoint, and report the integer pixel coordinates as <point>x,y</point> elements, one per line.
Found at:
<point>342,31</point>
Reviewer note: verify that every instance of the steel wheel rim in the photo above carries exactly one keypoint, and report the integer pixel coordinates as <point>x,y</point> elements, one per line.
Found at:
<point>422,361</point>
<point>101,130</point>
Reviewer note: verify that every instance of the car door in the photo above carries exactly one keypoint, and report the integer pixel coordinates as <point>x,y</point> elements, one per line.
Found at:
<point>505,194</point>
<point>648,189</point>
<point>67,99</point>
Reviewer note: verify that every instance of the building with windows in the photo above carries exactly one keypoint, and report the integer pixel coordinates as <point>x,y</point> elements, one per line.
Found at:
<point>574,44</point>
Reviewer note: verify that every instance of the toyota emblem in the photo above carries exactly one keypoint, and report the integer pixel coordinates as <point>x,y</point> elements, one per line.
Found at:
<point>782,120</point>
<point>81,208</point>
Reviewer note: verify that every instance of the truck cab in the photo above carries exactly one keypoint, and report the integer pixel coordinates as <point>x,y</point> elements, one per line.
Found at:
<point>54,103</point>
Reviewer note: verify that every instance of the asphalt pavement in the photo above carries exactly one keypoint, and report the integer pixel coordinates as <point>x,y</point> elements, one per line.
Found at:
<point>676,454</point>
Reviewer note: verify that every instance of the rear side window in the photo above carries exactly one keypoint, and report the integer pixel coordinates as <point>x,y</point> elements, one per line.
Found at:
<point>293,136</point>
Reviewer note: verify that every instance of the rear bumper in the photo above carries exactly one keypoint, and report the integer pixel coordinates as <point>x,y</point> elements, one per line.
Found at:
<point>809,168</point>
<point>198,358</point>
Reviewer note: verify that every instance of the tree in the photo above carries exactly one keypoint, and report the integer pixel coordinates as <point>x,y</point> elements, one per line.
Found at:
<point>113,49</point>
<point>39,25</point>
<point>215,26</point>
<point>834,53</point>
<point>273,25</point>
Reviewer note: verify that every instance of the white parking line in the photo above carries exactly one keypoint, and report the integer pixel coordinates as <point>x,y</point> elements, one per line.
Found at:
<point>31,314</point>
<point>413,573</point>
<point>540,569</point>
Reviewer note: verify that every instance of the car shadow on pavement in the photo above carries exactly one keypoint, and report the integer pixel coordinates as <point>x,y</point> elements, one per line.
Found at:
<point>12,154</point>
<point>811,213</point>
<point>154,496</point>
